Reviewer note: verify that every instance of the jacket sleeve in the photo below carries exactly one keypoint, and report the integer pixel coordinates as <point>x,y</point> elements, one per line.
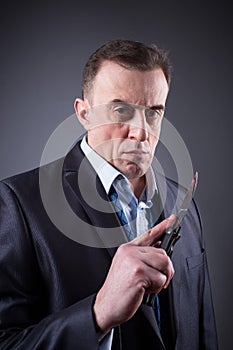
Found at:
<point>24,324</point>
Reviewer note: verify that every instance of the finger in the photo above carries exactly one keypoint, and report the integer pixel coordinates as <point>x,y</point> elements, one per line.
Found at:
<point>154,233</point>
<point>157,244</point>
<point>155,281</point>
<point>157,259</point>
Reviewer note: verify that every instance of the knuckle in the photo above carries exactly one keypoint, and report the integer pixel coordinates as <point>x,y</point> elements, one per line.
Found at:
<point>167,266</point>
<point>137,270</point>
<point>164,260</point>
<point>161,279</point>
<point>167,260</point>
<point>162,252</point>
<point>146,284</point>
<point>123,249</point>
<point>159,282</point>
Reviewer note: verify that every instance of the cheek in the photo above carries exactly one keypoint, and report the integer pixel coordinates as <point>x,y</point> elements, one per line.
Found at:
<point>103,133</point>
<point>153,140</point>
<point>106,140</point>
<point>153,136</point>
<point>115,131</point>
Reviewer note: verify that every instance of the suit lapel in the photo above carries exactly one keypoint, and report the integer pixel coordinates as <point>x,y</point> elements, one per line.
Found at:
<point>150,316</point>
<point>87,196</point>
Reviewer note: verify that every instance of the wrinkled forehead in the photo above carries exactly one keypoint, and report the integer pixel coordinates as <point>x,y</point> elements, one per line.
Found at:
<point>139,87</point>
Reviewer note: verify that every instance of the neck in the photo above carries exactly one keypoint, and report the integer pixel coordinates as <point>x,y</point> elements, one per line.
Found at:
<point>138,185</point>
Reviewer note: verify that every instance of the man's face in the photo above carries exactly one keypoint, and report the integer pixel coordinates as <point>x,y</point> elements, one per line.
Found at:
<point>119,128</point>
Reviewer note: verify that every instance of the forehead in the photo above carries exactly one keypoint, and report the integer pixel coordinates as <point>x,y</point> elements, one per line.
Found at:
<point>116,82</point>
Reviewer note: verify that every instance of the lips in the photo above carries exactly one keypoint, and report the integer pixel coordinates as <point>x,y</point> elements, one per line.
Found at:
<point>135,156</point>
<point>136,152</point>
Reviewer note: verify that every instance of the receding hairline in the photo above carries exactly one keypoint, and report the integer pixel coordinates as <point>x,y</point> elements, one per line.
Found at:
<point>87,93</point>
<point>130,54</point>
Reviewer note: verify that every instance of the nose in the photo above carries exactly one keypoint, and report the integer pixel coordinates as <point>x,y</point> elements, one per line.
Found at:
<point>138,128</point>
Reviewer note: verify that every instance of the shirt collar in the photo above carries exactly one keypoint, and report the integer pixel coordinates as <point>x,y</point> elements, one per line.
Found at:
<point>107,173</point>
<point>151,186</point>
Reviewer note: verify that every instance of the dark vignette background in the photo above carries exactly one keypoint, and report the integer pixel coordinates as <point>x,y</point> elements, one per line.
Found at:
<point>43,49</point>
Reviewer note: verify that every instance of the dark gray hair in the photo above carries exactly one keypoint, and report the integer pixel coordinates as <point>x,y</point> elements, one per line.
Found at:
<point>130,55</point>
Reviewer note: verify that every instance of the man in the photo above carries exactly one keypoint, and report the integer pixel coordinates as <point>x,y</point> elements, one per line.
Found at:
<point>57,293</point>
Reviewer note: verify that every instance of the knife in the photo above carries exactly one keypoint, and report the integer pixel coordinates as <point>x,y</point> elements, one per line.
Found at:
<point>172,233</point>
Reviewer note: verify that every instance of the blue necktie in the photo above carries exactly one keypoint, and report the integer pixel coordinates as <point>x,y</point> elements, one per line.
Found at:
<point>113,196</point>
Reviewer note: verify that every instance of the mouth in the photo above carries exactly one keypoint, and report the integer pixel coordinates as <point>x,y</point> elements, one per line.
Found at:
<point>136,153</point>
<point>135,156</point>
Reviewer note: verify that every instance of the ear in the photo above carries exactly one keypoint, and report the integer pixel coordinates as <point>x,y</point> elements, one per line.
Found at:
<point>81,108</point>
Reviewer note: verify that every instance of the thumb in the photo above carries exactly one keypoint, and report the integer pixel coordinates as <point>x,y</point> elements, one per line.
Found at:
<point>154,233</point>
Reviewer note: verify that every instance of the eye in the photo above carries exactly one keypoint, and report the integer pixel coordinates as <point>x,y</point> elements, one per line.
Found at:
<point>123,112</point>
<point>152,113</point>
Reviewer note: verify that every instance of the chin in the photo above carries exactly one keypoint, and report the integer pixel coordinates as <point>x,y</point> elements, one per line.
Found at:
<point>132,171</point>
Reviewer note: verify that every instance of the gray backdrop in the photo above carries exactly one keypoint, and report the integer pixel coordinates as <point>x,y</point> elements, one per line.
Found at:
<point>43,50</point>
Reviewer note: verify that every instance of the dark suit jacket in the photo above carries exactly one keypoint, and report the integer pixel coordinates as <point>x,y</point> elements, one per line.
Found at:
<point>48,279</point>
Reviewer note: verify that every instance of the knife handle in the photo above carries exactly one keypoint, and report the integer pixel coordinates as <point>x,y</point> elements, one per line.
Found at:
<point>171,236</point>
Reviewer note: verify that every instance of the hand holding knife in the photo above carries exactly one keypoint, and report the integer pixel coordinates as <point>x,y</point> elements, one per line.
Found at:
<point>172,234</point>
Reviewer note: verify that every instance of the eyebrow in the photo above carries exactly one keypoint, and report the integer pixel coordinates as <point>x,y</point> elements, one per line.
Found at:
<point>160,107</point>
<point>156,107</point>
